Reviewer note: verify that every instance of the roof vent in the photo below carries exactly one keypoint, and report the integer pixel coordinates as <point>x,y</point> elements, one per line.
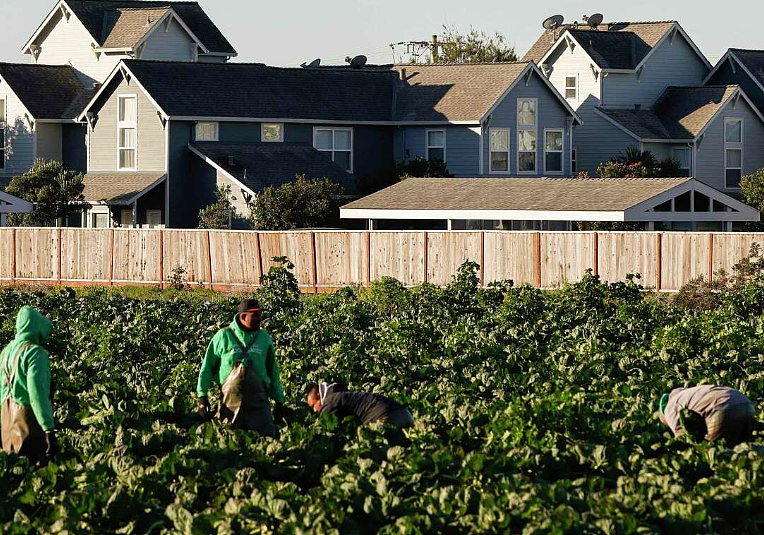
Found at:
<point>97,85</point>
<point>637,107</point>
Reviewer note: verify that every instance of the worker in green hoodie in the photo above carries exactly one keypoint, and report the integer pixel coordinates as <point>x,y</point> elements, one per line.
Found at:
<point>241,359</point>
<point>26,417</point>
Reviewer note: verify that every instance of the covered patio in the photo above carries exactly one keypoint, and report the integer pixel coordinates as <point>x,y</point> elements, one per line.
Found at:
<point>127,200</point>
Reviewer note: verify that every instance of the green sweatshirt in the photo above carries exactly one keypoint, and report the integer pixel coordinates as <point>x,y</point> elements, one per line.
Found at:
<point>223,352</point>
<point>32,383</point>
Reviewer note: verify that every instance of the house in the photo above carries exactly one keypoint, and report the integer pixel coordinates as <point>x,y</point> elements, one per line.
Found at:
<point>626,65</point>
<point>744,68</point>
<point>488,203</point>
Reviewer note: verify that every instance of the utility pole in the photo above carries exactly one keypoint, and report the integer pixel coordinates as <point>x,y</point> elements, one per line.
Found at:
<point>434,49</point>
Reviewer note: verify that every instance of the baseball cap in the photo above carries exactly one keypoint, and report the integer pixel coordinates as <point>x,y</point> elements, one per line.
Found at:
<point>249,305</point>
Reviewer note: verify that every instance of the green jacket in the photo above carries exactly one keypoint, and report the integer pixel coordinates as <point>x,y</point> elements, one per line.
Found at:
<point>32,383</point>
<point>223,352</point>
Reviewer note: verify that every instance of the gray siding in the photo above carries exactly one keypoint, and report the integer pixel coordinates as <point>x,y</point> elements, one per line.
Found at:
<point>725,76</point>
<point>74,147</point>
<point>49,141</point>
<point>710,153</point>
<point>19,137</point>
<point>670,65</point>
<point>462,147</point>
<point>598,140</point>
<point>169,44</point>
<point>103,137</point>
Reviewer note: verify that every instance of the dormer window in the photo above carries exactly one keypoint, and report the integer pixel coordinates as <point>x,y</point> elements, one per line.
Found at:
<point>571,87</point>
<point>272,132</point>
<point>207,131</point>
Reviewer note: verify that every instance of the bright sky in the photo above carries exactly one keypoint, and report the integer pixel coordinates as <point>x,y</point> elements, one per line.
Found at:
<point>288,32</point>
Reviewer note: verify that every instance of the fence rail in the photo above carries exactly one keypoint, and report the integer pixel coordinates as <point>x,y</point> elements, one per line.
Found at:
<point>326,260</point>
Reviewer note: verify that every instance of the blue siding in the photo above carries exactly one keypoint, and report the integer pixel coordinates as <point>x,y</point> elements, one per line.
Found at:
<point>725,76</point>
<point>74,151</point>
<point>462,147</point>
<point>239,132</point>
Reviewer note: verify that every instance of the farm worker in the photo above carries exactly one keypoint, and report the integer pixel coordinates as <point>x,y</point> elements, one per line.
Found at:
<point>334,398</point>
<point>727,413</point>
<point>25,385</point>
<point>241,359</point>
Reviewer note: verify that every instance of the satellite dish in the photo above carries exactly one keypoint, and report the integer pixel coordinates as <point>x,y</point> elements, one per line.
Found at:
<point>358,61</point>
<point>595,20</point>
<point>554,22</point>
<point>315,63</point>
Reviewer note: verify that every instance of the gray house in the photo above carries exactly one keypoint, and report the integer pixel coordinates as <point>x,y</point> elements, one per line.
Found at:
<point>744,68</point>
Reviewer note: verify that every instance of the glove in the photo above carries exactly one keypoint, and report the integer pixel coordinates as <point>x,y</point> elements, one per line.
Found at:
<point>203,407</point>
<point>279,413</point>
<point>51,443</point>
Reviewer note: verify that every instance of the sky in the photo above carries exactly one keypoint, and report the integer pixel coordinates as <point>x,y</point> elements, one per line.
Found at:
<point>288,32</point>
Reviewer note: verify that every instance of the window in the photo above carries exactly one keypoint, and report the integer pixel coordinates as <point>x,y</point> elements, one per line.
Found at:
<point>207,131</point>
<point>154,219</point>
<point>571,87</point>
<point>272,132</point>
<point>436,145</point>
<point>2,133</point>
<point>127,132</point>
<point>337,143</point>
<point>499,150</point>
<point>527,135</point>
<point>553,150</point>
<point>733,152</point>
<point>126,219</point>
<point>574,161</point>
<point>99,220</point>
<point>683,157</point>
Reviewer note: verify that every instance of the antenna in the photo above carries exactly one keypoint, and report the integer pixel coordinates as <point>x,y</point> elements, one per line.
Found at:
<point>357,62</point>
<point>552,23</point>
<point>594,21</point>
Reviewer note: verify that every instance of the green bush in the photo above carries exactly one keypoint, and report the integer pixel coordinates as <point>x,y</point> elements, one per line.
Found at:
<point>303,203</point>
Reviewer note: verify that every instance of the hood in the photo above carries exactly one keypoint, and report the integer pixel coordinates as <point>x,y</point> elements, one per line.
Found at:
<point>31,326</point>
<point>325,389</point>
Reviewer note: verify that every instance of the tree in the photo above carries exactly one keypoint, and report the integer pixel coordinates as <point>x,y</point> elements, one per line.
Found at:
<point>634,163</point>
<point>422,168</point>
<point>219,214</point>
<point>55,191</point>
<point>473,47</point>
<point>752,188</point>
<point>301,204</point>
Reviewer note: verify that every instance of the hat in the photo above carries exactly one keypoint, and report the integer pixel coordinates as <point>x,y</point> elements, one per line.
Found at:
<point>249,305</point>
<point>662,404</point>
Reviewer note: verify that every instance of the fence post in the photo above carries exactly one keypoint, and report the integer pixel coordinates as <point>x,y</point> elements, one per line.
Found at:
<point>59,255</point>
<point>596,259</point>
<point>537,266</point>
<point>259,258</point>
<point>368,258</point>
<point>313,260</point>
<point>482,258</point>
<point>426,257</point>
<point>209,259</point>
<point>710,257</point>
<point>161,259</point>
<point>13,256</point>
<point>111,261</point>
<point>659,273</point>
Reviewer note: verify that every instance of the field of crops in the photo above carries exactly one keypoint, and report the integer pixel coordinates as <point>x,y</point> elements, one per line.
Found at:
<point>535,415</point>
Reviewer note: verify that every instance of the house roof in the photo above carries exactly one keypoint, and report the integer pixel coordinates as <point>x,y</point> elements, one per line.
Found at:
<point>119,188</point>
<point>537,194</point>
<point>253,90</point>
<point>117,22</point>
<point>453,92</point>
<point>642,36</point>
<point>753,60</point>
<point>680,113</point>
<point>51,92</point>
<point>259,165</point>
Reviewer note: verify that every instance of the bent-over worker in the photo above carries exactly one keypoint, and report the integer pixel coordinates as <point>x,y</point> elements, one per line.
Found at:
<point>727,413</point>
<point>25,385</point>
<point>334,398</point>
<point>241,359</point>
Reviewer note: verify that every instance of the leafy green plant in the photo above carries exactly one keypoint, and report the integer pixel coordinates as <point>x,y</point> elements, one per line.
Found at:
<point>303,203</point>
<point>220,214</point>
<point>419,167</point>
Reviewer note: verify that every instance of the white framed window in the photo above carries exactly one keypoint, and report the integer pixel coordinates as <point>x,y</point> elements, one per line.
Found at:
<point>733,152</point>
<point>574,161</point>
<point>571,87</point>
<point>154,219</point>
<point>2,133</point>
<point>553,151</point>
<point>527,135</point>
<point>99,217</point>
<point>684,157</point>
<point>499,149</point>
<point>127,132</point>
<point>337,143</point>
<point>126,218</point>
<point>436,145</point>
<point>272,132</point>
<point>207,131</point>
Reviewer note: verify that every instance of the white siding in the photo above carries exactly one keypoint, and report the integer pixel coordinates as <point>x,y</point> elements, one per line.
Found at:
<point>19,137</point>
<point>168,44</point>
<point>710,153</point>
<point>672,64</point>
<point>49,141</point>
<point>240,204</point>
<point>566,63</point>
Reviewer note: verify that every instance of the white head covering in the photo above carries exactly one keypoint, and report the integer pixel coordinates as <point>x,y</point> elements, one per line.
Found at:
<point>323,388</point>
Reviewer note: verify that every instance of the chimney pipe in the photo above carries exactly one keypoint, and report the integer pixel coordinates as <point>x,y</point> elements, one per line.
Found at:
<point>403,75</point>
<point>435,51</point>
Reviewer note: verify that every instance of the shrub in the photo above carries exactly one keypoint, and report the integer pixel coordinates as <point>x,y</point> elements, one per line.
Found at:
<point>219,214</point>
<point>422,168</point>
<point>301,204</point>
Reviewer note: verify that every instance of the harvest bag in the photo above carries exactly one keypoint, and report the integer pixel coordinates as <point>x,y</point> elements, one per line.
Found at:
<point>245,402</point>
<point>20,431</point>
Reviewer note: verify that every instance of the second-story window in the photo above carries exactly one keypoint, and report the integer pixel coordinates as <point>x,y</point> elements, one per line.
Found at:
<point>683,157</point>
<point>207,131</point>
<point>127,132</point>
<point>436,145</point>
<point>553,150</point>
<point>571,87</point>
<point>499,150</point>
<point>2,133</point>
<point>527,135</point>
<point>733,152</point>
<point>272,132</point>
<point>337,143</point>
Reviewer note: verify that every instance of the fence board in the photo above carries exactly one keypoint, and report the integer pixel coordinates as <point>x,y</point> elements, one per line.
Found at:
<point>684,257</point>
<point>295,246</point>
<point>565,257</point>
<point>85,254</point>
<point>188,250</point>
<point>6,255</point>
<point>399,255</point>
<point>37,254</point>
<point>340,258</point>
<point>136,256</point>
<point>621,254</point>
<point>447,251</point>
<point>234,258</point>
<point>729,249</point>
<point>510,256</point>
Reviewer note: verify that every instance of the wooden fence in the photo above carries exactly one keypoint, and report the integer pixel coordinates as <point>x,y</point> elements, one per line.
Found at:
<point>326,260</point>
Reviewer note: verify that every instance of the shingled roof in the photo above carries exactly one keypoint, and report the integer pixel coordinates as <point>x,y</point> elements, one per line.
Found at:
<point>643,36</point>
<point>259,165</point>
<point>118,188</point>
<point>681,113</point>
<point>117,23</point>
<point>753,60</point>
<point>253,90</point>
<point>453,92</point>
<point>52,92</point>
